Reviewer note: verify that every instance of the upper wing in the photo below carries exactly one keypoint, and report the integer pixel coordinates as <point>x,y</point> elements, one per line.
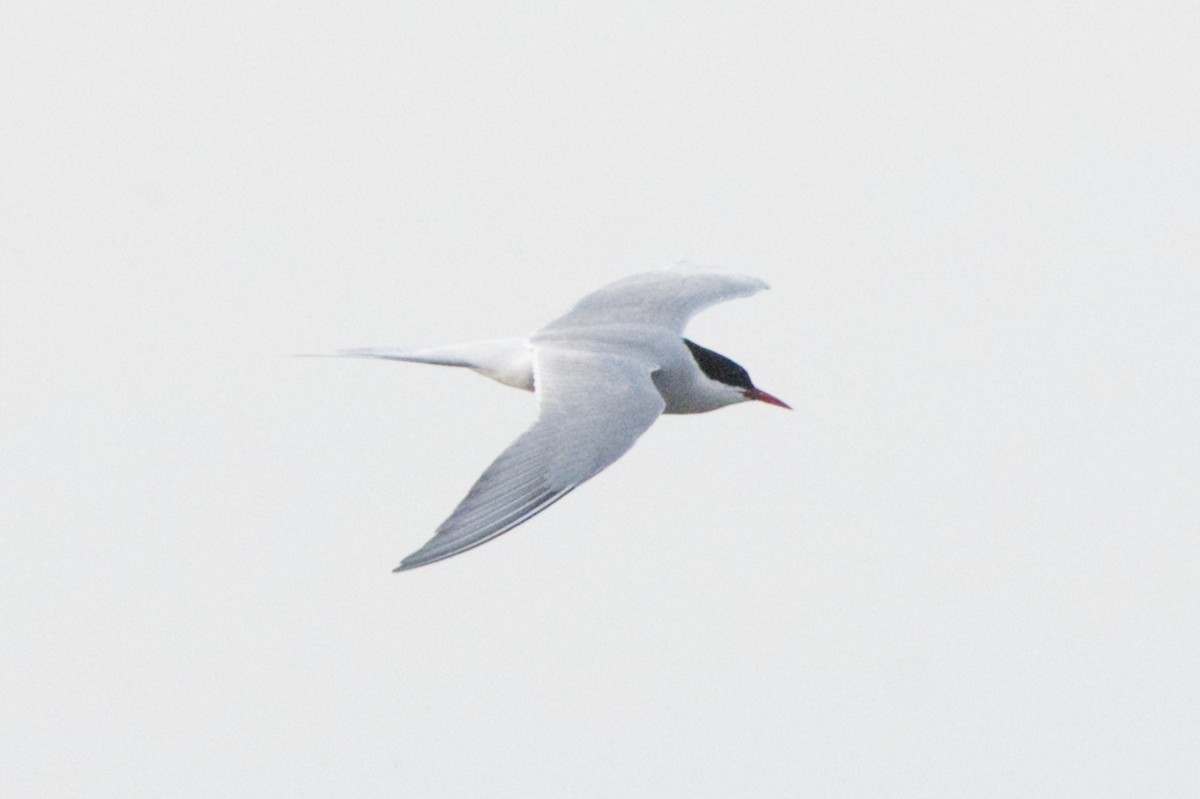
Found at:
<point>593,407</point>
<point>668,298</point>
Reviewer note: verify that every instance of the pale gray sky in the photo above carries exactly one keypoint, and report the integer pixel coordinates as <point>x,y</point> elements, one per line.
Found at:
<point>966,565</point>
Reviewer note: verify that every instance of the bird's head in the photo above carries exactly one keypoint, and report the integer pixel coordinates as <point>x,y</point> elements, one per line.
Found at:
<point>733,380</point>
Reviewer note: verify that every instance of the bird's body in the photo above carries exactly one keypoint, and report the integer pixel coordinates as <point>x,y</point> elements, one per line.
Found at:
<point>602,373</point>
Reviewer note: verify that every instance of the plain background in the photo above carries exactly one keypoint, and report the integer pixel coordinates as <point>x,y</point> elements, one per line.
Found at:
<point>966,565</point>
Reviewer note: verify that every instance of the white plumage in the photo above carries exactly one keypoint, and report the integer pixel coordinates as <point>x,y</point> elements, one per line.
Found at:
<point>602,373</point>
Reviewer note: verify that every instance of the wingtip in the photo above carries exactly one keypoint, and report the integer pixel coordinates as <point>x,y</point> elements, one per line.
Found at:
<point>701,267</point>
<point>411,562</point>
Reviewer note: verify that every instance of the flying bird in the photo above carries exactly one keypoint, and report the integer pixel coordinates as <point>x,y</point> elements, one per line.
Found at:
<point>602,373</point>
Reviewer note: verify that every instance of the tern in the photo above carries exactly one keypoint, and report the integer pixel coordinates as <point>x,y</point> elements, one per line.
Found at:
<point>602,374</point>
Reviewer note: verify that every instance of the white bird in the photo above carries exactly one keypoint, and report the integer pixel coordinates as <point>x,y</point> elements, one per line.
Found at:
<point>602,373</point>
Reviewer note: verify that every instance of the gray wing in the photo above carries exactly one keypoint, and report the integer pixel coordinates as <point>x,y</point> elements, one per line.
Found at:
<point>668,298</point>
<point>593,407</point>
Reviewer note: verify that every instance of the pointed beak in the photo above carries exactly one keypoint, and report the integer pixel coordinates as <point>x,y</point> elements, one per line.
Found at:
<point>762,396</point>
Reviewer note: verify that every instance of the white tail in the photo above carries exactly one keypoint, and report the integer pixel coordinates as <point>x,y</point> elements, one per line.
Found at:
<point>508,361</point>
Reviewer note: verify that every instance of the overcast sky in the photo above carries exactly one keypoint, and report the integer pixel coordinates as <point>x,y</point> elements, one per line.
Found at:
<point>965,565</point>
